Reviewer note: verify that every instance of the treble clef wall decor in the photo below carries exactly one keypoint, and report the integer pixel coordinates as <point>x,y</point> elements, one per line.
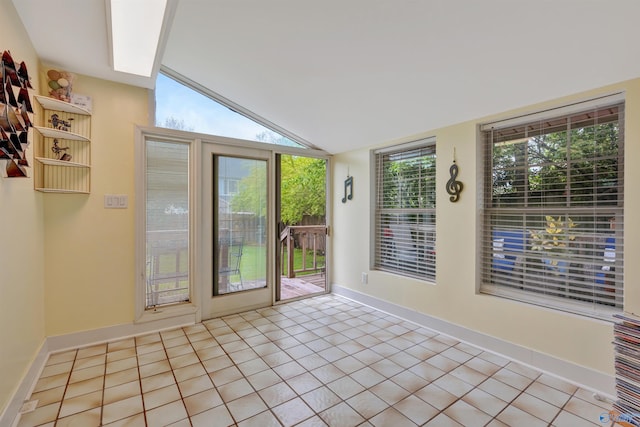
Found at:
<point>454,187</point>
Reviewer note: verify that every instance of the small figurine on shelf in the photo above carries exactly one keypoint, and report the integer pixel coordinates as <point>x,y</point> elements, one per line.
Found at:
<point>60,83</point>
<point>57,150</point>
<point>60,124</point>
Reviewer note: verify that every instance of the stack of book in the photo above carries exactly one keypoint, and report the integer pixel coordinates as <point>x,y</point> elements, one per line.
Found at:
<point>627,364</point>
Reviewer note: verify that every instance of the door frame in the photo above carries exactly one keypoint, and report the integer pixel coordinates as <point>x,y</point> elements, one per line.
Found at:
<point>196,221</point>
<point>221,305</point>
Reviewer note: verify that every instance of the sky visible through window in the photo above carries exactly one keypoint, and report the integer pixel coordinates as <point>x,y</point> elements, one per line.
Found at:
<point>179,107</point>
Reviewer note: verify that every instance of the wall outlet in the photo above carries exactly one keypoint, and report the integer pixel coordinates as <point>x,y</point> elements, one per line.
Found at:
<point>365,278</point>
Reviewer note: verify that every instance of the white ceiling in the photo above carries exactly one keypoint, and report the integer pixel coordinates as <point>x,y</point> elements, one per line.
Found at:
<point>345,74</point>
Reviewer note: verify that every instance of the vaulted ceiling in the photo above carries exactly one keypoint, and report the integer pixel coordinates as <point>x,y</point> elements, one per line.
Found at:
<point>346,74</point>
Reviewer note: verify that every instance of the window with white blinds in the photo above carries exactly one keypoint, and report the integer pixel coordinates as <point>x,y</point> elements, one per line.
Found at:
<point>405,209</point>
<point>553,217</point>
<point>167,222</point>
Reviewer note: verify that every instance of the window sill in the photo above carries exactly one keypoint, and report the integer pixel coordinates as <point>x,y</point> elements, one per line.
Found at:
<point>167,312</point>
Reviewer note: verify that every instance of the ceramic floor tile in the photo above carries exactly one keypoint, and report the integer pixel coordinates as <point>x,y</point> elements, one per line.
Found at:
<point>453,385</point>
<point>154,356</point>
<point>181,350</point>
<point>217,363</point>
<point>60,368</point>
<point>154,368</point>
<point>303,383</point>
<point>557,383</point>
<point>390,392</point>
<point>263,379</point>
<point>500,389</point>
<point>66,356</point>
<point>83,387</point>
<point>484,401</point>
<point>341,415</point>
<point>367,377</point>
<point>466,414</point>
<point>325,361</point>
<point>195,385</point>
<point>235,389</point>
<point>289,370</point>
<point>442,420</point>
<point>514,416</point>
<point>161,396</point>
<point>121,365</point>
<point>349,364</point>
<point>80,403</point>
<point>49,396</point>
<point>263,419</point>
<point>435,396</point>
<point>157,381</point>
<point>83,374</point>
<point>416,409</point>
<point>426,371</point>
<point>345,387</point>
<point>252,366</point>
<point>225,376</point>
<point>391,417</point>
<point>91,418</point>
<point>320,399</point>
<point>409,381</point>
<point>513,379</point>
<point>121,344</point>
<point>41,415</point>
<point>246,407</point>
<point>277,394</point>
<point>201,402</point>
<point>166,414</point>
<point>190,371</point>
<point>121,392</point>
<point>567,419</point>
<point>583,409</point>
<point>548,394</point>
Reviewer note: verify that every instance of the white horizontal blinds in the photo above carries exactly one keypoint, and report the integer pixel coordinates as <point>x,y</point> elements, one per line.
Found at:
<point>405,209</point>
<point>553,214</point>
<point>167,222</point>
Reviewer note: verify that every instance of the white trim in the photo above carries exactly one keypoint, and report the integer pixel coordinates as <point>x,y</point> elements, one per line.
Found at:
<point>9,417</point>
<point>580,375</point>
<point>406,145</point>
<point>575,107</point>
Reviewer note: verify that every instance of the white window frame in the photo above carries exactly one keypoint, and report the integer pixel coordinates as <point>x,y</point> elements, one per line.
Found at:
<point>508,249</point>
<point>406,248</point>
<point>188,309</point>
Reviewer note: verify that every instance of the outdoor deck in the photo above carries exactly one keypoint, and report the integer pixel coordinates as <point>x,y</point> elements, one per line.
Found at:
<point>301,286</point>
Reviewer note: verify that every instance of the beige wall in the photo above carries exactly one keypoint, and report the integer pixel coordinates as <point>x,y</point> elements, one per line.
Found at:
<point>21,244</point>
<point>89,249</point>
<point>581,340</point>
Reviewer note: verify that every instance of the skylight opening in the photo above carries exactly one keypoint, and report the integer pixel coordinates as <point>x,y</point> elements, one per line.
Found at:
<point>181,107</point>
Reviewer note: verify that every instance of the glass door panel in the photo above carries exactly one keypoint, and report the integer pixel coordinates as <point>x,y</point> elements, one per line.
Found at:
<point>241,240</point>
<point>237,230</point>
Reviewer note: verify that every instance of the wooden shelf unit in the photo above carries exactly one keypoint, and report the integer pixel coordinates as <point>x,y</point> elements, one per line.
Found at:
<point>52,175</point>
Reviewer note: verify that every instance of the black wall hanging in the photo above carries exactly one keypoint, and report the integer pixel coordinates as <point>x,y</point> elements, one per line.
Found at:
<point>454,188</point>
<point>15,107</point>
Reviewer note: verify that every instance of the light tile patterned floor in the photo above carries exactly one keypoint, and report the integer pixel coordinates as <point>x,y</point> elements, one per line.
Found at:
<point>321,361</point>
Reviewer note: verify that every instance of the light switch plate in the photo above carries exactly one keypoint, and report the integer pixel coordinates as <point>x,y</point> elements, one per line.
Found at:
<point>116,201</point>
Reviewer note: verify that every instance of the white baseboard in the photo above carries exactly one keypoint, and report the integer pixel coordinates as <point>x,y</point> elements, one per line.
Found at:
<point>110,333</point>
<point>55,344</point>
<point>10,414</point>
<point>582,376</point>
